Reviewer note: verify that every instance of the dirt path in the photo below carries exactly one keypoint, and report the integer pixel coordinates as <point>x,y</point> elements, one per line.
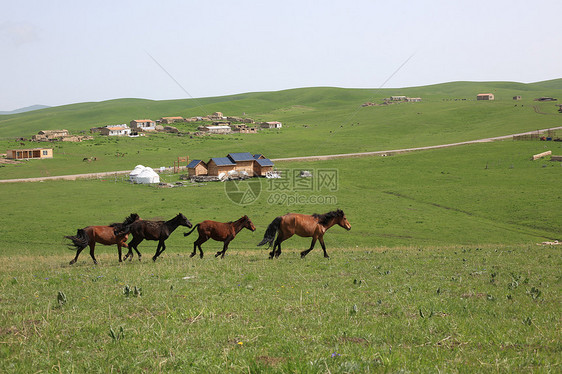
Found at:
<point>302,158</point>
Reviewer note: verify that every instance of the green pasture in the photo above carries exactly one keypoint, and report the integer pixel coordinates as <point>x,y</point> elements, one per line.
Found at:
<point>317,121</point>
<point>442,270</point>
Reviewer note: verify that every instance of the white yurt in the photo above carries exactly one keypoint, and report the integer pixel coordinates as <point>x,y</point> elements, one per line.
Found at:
<point>144,174</point>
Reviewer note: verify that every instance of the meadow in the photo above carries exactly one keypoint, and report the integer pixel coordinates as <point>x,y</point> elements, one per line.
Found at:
<point>441,271</point>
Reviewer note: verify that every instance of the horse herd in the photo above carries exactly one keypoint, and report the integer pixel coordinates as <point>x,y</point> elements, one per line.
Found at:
<point>284,227</point>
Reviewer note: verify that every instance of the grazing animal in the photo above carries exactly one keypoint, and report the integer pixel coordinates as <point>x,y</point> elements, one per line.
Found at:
<point>219,231</point>
<point>89,236</point>
<point>153,230</point>
<point>304,225</point>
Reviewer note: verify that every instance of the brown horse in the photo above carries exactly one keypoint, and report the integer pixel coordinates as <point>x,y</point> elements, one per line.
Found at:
<point>219,231</point>
<point>89,236</point>
<point>304,225</point>
<point>153,230</point>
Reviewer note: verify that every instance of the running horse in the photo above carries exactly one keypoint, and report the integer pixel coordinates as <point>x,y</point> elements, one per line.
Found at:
<point>219,231</point>
<point>304,225</point>
<point>153,230</point>
<point>90,235</point>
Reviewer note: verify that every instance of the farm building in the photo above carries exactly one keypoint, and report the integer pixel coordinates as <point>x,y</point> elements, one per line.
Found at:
<point>25,154</point>
<point>217,116</point>
<point>243,161</point>
<point>218,165</point>
<point>244,129</point>
<point>143,125</point>
<point>117,130</point>
<point>215,129</point>
<point>486,96</point>
<point>517,97</point>
<point>271,125</point>
<point>413,99</point>
<point>398,98</point>
<point>197,167</point>
<point>45,135</point>
<point>262,166</point>
<point>168,120</point>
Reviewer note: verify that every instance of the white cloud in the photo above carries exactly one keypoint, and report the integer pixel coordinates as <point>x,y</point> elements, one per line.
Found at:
<point>18,33</point>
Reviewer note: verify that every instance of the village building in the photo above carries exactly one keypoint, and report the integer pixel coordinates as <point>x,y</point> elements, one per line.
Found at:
<point>243,162</point>
<point>168,120</point>
<point>262,166</point>
<point>413,99</point>
<point>217,116</point>
<point>398,98</point>
<point>271,125</point>
<point>244,129</point>
<point>517,97</point>
<point>218,165</point>
<point>197,167</point>
<point>215,129</point>
<point>33,153</point>
<point>143,125</point>
<point>47,135</point>
<point>486,96</point>
<point>117,130</point>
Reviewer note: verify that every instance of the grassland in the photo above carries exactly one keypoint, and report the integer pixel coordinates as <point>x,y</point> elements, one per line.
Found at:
<point>440,272</point>
<point>317,121</point>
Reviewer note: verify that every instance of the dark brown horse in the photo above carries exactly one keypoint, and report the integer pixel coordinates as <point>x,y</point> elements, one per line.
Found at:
<point>89,236</point>
<point>304,225</point>
<point>219,231</point>
<point>153,230</point>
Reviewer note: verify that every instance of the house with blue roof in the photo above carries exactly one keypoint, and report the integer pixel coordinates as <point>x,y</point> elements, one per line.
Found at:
<point>262,166</point>
<point>218,165</point>
<point>197,167</point>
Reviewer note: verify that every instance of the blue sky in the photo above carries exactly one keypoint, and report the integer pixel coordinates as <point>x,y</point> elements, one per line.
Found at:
<point>62,52</point>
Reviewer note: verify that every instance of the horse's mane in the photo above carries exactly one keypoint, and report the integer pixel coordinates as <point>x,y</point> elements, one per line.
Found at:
<point>325,218</point>
<point>132,218</point>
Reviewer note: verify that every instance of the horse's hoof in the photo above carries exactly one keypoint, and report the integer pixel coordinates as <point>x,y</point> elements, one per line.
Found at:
<point>72,262</point>
<point>218,254</point>
<point>191,255</point>
<point>326,256</point>
<point>201,255</point>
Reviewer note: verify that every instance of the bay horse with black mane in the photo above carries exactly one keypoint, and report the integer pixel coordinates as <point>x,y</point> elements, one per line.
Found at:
<point>153,230</point>
<point>219,231</point>
<point>90,235</point>
<point>304,225</point>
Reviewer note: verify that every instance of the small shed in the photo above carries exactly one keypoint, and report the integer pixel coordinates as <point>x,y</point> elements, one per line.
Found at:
<point>485,96</point>
<point>197,167</point>
<point>119,130</point>
<point>218,165</point>
<point>262,166</point>
<point>272,125</point>
<point>31,153</point>
<point>518,97</point>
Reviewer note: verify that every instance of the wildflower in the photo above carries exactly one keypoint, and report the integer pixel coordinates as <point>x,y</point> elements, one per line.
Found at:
<point>335,354</point>
<point>240,344</point>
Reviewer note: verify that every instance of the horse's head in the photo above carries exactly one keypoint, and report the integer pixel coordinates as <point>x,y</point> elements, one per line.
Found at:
<point>249,224</point>
<point>342,220</point>
<point>183,221</point>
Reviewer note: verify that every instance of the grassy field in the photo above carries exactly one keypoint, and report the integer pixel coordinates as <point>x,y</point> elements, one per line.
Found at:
<point>468,309</point>
<point>440,272</point>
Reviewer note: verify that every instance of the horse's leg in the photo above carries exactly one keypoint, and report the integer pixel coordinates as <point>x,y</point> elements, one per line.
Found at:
<point>197,244</point>
<point>77,253</point>
<point>278,244</point>
<point>161,247</point>
<point>92,247</point>
<point>304,253</point>
<point>224,248</point>
<point>119,250</point>
<point>321,240</point>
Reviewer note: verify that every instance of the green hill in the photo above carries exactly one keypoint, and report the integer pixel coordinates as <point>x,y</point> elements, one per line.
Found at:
<point>317,121</point>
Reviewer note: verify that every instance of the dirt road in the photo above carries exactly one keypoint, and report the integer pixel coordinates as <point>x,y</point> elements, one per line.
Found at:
<point>302,158</point>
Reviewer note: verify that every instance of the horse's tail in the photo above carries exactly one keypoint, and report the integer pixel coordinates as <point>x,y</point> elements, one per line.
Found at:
<point>270,232</point>
<point>193,229</point>
<point>80,240</point>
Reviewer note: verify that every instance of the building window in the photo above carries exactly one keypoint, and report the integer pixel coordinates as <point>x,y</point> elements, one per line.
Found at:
<point>45,153</point>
